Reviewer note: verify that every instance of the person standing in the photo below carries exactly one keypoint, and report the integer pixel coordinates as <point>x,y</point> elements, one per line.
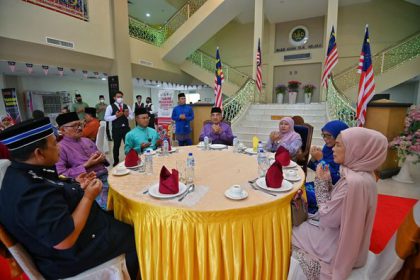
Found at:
<point>151,110</point>
<point>100,111</point>
<point>183,115</point>
<point>79,107</point>
<point>138,104</point>
<point>118,113</point>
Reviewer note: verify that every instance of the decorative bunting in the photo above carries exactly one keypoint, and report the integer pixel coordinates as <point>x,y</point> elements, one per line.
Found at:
<point>96,74</point>
<point>29,67</point>
<point>12,65</point>
<point>138,80</point>
<point>60,71</point>
<point>105,74</point>
<point>85,73</point>
<point>45,68</point>
<point>73,70</point>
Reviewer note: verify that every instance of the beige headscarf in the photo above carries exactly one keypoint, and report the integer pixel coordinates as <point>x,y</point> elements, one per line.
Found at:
<point>365,151</point>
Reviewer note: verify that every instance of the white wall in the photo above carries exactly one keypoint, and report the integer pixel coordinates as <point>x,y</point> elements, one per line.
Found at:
<point>404,93</point>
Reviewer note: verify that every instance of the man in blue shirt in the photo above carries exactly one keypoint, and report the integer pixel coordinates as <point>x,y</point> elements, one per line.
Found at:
<point>182,115</point>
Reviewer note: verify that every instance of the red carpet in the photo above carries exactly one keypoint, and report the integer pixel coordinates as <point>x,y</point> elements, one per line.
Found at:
<point>390,213</point>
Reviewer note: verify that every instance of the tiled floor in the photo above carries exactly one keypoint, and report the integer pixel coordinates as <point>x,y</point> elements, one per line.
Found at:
<point>387,186</point>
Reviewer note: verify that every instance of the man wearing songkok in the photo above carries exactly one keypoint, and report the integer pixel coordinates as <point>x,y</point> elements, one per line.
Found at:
<point>79,106</point>
<point>118,113</point>
<point>217,131</point>
<point>80,155</point>
<point>141,137</point>
<point>90,130</point>
<point>57,222</point>
<point>182,115</point>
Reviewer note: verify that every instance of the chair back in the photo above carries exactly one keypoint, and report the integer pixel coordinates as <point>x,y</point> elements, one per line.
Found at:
<point>101,141</point>
<point>305,131</point>
<point>298,120</point>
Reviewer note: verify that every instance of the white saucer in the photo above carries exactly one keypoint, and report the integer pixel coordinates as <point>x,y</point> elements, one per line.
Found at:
<point>217,146</point>
<point>132,167</point>
<point>154,191</point>
<point>126,171</point>
<point>285,185</point>
<point>250,151</point>
<point>229,195</point>
<point>290,178</point>
<point>292,164</point>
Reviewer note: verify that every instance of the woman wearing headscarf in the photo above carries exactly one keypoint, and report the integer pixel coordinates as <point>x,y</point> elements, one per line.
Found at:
<point>286,137</point>
<point>330,132</point>
<point>340,242</point>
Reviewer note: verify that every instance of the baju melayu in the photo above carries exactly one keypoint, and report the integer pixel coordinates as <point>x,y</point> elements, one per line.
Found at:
<point>36,208</point>
<point>91,129</point>
<point>224,137</point>
<point>79,106</point>
<point>182,127</point>
<point>138,136</point>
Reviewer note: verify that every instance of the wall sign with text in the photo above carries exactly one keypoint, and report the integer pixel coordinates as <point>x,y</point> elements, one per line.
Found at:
<point>298,36</point>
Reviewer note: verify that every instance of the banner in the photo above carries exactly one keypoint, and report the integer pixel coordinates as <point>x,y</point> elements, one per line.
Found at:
<point>11,104</point>
<point>165,106</point>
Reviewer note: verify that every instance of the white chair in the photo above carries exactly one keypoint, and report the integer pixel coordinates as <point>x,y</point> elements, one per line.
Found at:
<point>382,266</point>
<point>101,140</point>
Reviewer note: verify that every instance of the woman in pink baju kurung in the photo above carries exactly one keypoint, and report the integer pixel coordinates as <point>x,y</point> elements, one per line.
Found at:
<point>346,210</point>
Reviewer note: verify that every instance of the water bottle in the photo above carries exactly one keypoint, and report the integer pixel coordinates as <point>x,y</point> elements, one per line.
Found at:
<point>165,147</point>
<point>190,168</point>
<point>260,146</point>
<point>206,143</point>
<point>148,163</point>
<point>235,144</point>
<point>262,163</point>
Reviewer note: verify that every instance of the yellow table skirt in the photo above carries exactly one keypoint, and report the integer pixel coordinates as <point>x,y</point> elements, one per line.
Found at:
<point>177,243</point>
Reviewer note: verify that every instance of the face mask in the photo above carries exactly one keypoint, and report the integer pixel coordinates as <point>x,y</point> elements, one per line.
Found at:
<point>119,100</point>
<point>79,100</point>
<point>102,100</point>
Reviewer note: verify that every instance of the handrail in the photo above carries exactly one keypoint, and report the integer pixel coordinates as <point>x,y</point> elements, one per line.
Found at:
<point>339,107</point>
<point>157,37</point>
<point>208,63</point>
<point>235,106</point>
<point>383,61</point>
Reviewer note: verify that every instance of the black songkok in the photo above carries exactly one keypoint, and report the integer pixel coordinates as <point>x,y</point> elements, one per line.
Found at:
<point>62,119</point>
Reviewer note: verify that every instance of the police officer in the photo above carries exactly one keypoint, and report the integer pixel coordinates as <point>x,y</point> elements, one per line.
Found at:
<point>59,223</point>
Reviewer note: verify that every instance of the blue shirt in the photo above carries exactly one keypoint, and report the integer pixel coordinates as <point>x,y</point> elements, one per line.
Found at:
<point>182,126</point>
<point>138,136</point>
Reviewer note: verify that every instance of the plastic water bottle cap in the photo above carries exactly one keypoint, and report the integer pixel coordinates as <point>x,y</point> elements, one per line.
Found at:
<point>261,151</point>
<point>147,151</point>
<point>189,154</point>
<point>259,142</point>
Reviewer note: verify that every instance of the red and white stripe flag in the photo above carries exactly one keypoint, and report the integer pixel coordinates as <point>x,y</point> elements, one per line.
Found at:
<point>218,80</point>
<point>259,71</point>
<point>366,82</point>
<point>330,60</point>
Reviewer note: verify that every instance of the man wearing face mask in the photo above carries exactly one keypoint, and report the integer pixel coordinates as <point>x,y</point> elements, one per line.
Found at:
<point>118,113</point>
<point>79,107</point>
<point>100,112</point>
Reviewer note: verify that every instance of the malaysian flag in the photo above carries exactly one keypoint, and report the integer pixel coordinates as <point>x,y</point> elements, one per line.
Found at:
<point>330,60</point>
<point>259,72</point>
<point>367,82</point>
<point>218,80</point>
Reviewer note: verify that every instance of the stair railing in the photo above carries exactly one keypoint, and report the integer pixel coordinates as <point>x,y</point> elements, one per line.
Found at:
<point>339,107</point>
<point>384,61</point>
<point>208,63</point>
<point>235,106</point>
<point>157,36</point>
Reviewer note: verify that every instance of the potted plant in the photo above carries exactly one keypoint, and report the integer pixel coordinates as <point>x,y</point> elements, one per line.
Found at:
<point>293,87</point>
<point>408,144</point>
<point>280,91</point>
<point>308,90</point>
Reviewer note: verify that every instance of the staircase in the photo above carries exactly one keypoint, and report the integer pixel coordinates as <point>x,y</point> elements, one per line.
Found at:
<point>257,120</point>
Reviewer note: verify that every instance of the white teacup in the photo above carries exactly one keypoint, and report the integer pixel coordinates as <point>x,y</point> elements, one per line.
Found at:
<point>291,173</point>
<point>120,169</point>
<point>236,190</point>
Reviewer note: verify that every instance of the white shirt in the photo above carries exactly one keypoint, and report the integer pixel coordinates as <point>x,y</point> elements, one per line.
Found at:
<point>108,113</point>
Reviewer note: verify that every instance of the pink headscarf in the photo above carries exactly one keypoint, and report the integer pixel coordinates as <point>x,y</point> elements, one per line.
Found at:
<point>291,135</point>
<point>365,151</point>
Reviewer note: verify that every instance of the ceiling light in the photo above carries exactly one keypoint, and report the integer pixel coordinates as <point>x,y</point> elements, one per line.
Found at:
<point>103,79</point>
<point>147,15</point>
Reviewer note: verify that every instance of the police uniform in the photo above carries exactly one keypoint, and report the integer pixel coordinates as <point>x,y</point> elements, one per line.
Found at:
<point>36,209</point>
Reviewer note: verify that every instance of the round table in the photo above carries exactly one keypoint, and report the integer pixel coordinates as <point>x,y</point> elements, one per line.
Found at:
<point>215,238</point>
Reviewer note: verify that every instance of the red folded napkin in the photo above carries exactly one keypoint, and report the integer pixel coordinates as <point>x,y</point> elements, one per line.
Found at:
<point>132,158</point>
<point>282,156</point>
<point>168,183</point>
<point>274,176</point>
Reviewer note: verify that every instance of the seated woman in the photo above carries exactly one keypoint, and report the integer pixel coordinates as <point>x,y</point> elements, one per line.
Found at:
<point>330,132</point>
<point>346,212</point>
<point>286,137</point>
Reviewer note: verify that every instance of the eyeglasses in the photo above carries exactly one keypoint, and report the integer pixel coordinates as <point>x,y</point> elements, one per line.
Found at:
<point>75,126</point>
<point>327,136</point>
<point>143,118</point>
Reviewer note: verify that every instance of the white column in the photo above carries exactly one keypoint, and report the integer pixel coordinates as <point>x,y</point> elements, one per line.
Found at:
<point>258,34</point>
<point>331,20</point>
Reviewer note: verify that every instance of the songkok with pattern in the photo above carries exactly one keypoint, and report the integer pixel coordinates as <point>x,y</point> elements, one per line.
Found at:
<point>26,133</point>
